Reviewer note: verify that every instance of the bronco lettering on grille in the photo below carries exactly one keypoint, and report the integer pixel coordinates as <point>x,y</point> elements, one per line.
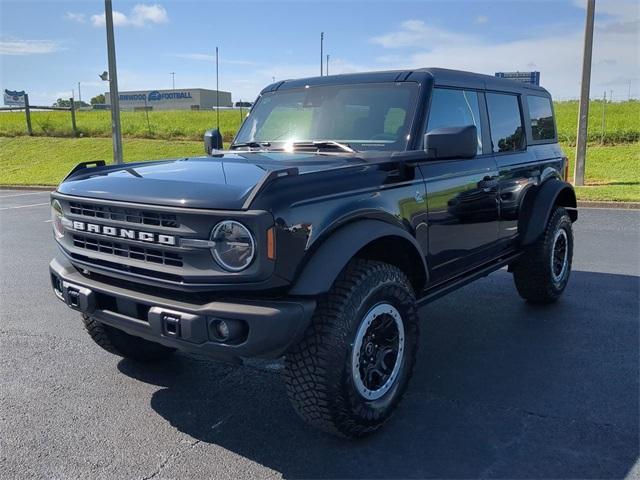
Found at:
<point>124,233</point>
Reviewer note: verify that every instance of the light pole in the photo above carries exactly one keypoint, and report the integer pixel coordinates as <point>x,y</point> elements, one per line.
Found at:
<point>583,109</point>
<point>173,80</point>
<point>321,52</point>
<point>327,64</point>
<point>113,85</point>
<point>79,96</point>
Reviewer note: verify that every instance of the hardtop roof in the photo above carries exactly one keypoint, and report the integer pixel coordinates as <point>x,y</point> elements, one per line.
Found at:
<point>440,76</point>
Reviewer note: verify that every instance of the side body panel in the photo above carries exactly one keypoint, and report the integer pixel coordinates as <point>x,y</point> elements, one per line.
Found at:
<point>463,213</point>
<point>308,209</point>
<point>520,175</point>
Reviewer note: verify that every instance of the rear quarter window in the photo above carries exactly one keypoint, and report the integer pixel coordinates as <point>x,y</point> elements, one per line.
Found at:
<point>541,118</point>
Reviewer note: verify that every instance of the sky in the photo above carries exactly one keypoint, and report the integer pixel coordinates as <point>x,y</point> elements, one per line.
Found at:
<point>47,47</point>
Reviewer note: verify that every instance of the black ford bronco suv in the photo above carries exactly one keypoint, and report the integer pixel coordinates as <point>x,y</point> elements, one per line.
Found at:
<point>343,204</point>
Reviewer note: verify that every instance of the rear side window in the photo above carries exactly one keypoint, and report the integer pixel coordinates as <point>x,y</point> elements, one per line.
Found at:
<point>455,108</point>
<point>541,118</point>
<point>505,122</point>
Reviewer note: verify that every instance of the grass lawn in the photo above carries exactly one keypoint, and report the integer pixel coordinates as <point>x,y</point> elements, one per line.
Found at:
<point>622,121</point>
<point>612,173</point>
<point>46,160</point>
<point>167,125</point>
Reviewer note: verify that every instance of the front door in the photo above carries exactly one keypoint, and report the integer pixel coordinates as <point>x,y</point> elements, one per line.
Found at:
<point>462,194</point>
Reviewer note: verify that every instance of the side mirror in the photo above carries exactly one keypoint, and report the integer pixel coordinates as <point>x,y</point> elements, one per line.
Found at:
<point>212,140</point>
<point>451,142</point>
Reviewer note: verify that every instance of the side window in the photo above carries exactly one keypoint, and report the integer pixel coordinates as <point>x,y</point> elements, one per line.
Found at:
<point>505,122</point>
<point>541,118</point>
<point>455,108</point>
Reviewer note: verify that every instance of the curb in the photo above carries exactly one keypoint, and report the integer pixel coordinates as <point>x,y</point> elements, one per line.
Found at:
<point>46,188</point>
<point>610,205</point>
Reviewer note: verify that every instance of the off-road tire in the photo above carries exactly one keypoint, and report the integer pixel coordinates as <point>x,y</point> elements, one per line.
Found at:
<point>124,345</point>
<point>318,370</point>
<point>533,272</point>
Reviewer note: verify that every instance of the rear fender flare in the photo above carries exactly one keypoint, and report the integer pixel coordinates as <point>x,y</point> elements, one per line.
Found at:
<point>330,258</point>
<point>538,205</point>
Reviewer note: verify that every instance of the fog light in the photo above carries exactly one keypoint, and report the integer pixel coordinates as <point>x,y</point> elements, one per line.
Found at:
<point>220,330</point>
<point>227,331</point>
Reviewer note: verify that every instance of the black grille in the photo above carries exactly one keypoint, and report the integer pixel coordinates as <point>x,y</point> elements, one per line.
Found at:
<point>130,215</point>
<point>129,269</point>
<point>145,254</point>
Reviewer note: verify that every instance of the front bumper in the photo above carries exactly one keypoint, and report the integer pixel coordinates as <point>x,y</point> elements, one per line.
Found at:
<point>258,328</point>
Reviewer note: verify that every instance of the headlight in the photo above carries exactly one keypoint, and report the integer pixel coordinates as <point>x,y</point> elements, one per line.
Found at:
<point>57,217</point>
<point>234,247</point>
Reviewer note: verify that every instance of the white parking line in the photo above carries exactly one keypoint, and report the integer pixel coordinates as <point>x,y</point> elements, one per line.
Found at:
<point>23,194</point>
<point>25,206</point>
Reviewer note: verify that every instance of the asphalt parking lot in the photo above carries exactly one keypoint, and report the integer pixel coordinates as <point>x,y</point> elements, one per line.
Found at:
<point>501,389</point>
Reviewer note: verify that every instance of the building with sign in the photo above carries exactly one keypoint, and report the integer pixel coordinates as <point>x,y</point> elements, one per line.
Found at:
<point>186,99</point>
<point>524,77</point>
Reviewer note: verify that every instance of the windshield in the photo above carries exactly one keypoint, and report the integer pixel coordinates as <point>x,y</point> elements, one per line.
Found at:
<point>361,116</point>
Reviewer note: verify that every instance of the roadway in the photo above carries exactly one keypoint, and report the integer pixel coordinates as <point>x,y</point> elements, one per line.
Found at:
<point>501,388</point>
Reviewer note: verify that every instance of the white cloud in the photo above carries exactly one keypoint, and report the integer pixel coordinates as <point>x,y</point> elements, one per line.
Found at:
<point>28,47</point>
<point>614,8</point>
<point>141,15</point>
<point>481,19</point>
<point>416,33</point>
<point>75,17</point>
<point>203,57</point>
<point>206,57</point>
<point>556,54</point>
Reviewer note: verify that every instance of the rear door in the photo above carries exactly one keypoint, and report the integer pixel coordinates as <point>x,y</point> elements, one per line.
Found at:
<point>523,142</point>
<point>461,193</point>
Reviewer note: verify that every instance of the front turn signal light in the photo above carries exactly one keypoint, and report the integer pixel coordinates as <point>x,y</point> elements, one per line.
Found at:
<point>271,243</point>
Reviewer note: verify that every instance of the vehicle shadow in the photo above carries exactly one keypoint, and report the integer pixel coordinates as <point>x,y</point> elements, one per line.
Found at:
<point>501,389</point>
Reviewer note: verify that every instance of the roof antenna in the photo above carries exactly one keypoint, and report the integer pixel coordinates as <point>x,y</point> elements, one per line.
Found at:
<point>217,94</point>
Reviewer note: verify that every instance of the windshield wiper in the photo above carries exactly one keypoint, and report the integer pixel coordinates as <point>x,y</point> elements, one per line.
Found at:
<point>345,147</point>
<point>251,145</point>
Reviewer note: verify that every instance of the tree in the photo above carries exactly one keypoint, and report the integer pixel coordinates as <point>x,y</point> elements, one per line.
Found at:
<point>62,103</point>
<point>98,99</point>
<point>67,103</point>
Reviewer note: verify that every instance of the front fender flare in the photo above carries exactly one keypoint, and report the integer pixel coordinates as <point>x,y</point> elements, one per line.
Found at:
<point>538,205</point>
<point>326,263</point>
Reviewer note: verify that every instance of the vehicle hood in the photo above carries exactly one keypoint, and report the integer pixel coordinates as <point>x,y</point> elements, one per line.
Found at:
<point>215,182</point>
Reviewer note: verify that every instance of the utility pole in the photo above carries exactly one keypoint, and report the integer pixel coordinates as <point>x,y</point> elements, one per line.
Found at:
<point>79,96</point>
<point>583,109</point>
<point>321,51</point>
<point>173,80</point>
<point>113,85</point>
<point>327,64</point>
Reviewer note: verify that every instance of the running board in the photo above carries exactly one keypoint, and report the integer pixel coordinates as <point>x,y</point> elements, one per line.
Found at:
<point>442,289</point>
